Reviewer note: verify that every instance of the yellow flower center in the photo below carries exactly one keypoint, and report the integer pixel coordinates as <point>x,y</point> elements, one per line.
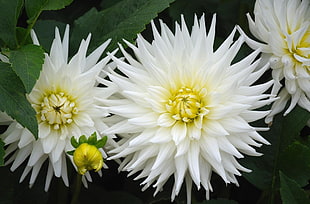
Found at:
<point>87,157</point>
<point>187,104</point>
<point>57,109</point>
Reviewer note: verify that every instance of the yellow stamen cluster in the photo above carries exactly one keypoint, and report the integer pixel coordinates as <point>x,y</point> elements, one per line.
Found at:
<point>57,109</point>
<point>187,104</point>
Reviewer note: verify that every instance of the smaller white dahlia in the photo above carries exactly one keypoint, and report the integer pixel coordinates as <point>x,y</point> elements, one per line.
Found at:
<point>283,27</point>
<point>64,98</point>
<point>183,109</point>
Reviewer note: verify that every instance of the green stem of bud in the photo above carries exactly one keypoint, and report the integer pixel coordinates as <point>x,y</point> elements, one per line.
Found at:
<point>77,189</point>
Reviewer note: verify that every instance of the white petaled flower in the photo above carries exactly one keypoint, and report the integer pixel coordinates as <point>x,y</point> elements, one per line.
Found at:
<point>283,27</point>
<point>64,98</point>
<point>183,109</point>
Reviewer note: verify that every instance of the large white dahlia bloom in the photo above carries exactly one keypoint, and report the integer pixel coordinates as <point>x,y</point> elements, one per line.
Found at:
<point>64,98</point>
<point>184,109</point>
<point>283,27</point>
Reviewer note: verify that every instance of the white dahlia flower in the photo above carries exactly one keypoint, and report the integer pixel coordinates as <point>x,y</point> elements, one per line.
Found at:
<point>183,109</point>
<point>283,27</point>
<point>64,98</point>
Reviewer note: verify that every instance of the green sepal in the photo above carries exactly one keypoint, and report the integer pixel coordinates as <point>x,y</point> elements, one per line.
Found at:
<point>100,143</point>
<point>82,139</point>
<point>74,143</point>
<point>92,140</point>
<point>71,152</point>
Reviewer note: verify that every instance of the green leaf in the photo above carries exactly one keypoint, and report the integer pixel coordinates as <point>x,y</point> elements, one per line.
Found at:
<point>82,139</point>
<point>291,193</point>
<point>101,142</point>
<point>57,4</point>
<point>21,33</point>
<point>9,13</point>
<point>2,152</point>
<point>108,3</point>
<point>121,21</point>
<point>265,169</point>
<point>27,63</point>
<point>74,143</point>
<point>13,100</point>
<point>35,7</point>
<point>92,140</point>
<point>297,156</point>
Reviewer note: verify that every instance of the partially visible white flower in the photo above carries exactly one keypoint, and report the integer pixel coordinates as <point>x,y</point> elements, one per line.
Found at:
<point>283,27</point>
<point>64,98</point>
<point>184,109</point>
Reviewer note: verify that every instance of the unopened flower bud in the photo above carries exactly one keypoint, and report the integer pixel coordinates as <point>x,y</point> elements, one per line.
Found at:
<point>87,157</point>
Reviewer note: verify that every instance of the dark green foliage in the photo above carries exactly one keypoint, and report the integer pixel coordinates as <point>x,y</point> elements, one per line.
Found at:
<point>13,99</point>
<point>129,18</point>
<point>283,154</point>
<point>9,13</point>
<point>291,193</point>
<point>35,7</point>
<point>27,63</point>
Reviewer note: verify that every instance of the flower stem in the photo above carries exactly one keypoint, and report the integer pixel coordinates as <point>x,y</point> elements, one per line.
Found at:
<point>77,189</point>
<point>30,26</point>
